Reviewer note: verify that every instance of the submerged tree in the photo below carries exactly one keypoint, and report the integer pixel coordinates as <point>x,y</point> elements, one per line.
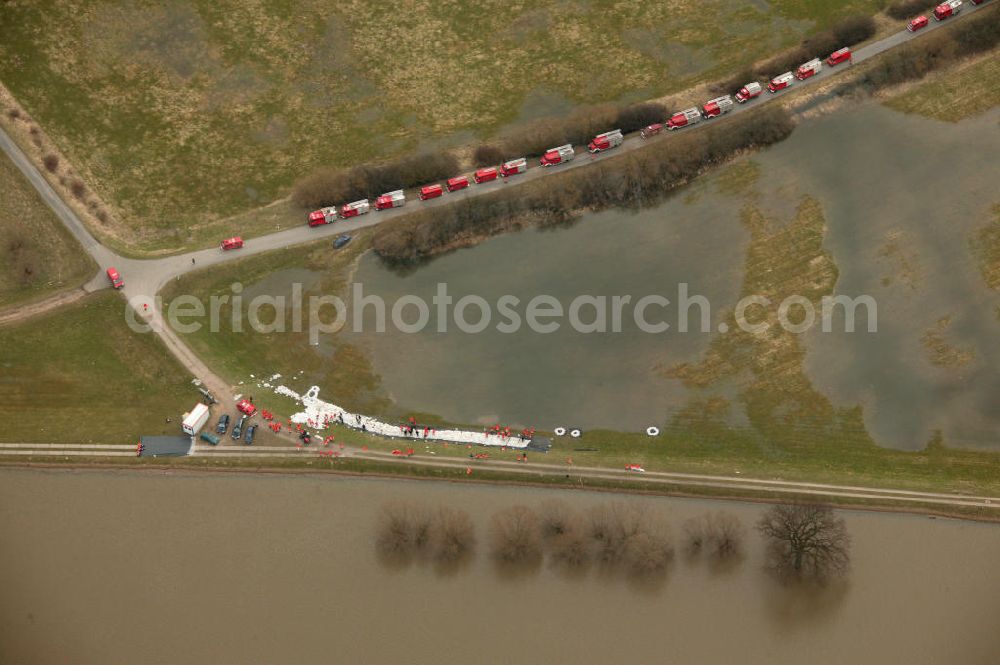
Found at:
<point>626,536</point>
<point>403,530</point>
<point>555,518</point>
<point>718,535</point>
<point>516,535</point>
<point>564,534</point>
<point>452,535</point>
<point>805,541</point>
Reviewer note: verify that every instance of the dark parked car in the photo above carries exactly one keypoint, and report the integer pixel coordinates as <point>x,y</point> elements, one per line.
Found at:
<point>210,438</point>
<point>341,241</point>
<point>248,437</point>
<point>238,428</point>
<point>223,424</point>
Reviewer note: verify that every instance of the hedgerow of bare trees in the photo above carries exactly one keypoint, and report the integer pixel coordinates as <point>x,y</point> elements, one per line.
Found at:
<point>717,535</point>
<point>330,186</point>
<point>805,542</point>
<point>626,536</point>
<point>631,179</point>
<point>405,532</point>
<point>847,32</point>
<point>909,8</point>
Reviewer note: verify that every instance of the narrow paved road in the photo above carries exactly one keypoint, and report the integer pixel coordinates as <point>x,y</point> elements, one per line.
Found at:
<point>145,277</point>
<point>538,472</point>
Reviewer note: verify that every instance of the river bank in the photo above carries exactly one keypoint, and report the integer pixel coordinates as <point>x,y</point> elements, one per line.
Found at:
<point>479,473</point>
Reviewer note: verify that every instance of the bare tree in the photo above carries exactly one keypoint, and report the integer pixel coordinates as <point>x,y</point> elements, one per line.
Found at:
<point>516,535</point>
<point>556,518</point>
<point>564,534</point>
<point>649,551</point>
<point>403,530</point>
<point>572,547</point>
<point>718,534</point>
<point>452,536</point>
<point>626,536</point>
<point>805,541</point>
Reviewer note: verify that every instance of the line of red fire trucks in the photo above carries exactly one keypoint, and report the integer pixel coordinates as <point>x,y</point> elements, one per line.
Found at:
<point>608,140</point>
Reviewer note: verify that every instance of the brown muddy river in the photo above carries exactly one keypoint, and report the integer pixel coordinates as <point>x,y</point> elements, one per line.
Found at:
<point>126,567</point>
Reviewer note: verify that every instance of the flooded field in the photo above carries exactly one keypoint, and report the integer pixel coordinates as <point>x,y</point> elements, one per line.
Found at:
<point>565,377</point>
<point>121,567</point>
<point>901,214</point>
<point>898,214</point>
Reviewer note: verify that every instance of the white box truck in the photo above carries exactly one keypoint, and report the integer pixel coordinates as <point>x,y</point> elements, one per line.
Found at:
<point>194,421</point>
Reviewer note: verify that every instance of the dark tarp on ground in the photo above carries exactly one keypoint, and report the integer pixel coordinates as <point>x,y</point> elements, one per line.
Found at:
<point>166,446</point>
<point>540,444</point>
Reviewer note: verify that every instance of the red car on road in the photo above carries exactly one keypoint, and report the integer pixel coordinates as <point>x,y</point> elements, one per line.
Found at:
<point>116,280</point>
<point>232,243</point>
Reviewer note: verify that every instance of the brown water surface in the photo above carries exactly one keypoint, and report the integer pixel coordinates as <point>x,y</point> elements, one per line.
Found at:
<point>124,567</point>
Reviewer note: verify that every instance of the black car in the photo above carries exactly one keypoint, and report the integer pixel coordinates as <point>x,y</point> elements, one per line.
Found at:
<point>341,241</point>
<point>248,437</point>
<point>223,424</point>
<point>238,428</point>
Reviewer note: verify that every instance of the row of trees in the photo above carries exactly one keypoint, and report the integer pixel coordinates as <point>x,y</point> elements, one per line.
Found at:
<point>631,179</point>
<point>803,541</point>
<point>617,536</point>
<point>578,128</point>
<point>847,32</point>
<point>909,8</point>
<point>445,536</point>
<point>330,186</point>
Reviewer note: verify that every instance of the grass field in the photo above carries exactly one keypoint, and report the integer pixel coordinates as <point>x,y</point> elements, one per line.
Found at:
<point>185,113</point>
<point>343,368</point>
<point>38,256</point>
<point>81,376</point>
<point>956,93</point>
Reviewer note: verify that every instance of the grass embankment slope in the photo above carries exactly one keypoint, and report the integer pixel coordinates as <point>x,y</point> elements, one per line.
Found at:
<point>791,430</point>
<point>188,112</point>
<point>81,376</point>
<point>38,256</point>
<point>339,366</point>
<point>958,92</point>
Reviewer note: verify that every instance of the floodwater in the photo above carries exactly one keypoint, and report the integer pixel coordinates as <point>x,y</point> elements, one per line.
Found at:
<point>563,378</point>
<point>104,567</point>
<point>901,212</point>
<point>901,196</point>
